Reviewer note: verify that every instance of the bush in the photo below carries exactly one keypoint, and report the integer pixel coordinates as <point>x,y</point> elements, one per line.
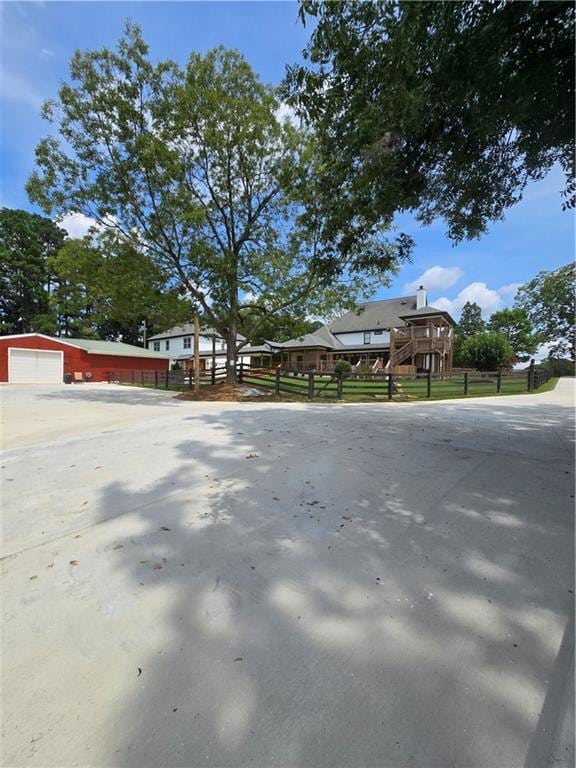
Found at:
<point>343,367</point>
<point>176,366</point>
<point>487,352</point>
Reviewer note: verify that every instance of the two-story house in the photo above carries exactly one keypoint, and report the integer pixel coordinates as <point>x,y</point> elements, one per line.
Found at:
<point>178,343</point>
<point>405,334</point>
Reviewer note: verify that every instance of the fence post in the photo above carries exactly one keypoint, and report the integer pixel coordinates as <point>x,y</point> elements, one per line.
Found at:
<point>465,383</point>
<point>213,375</point>
<point>142,378</point>
<point>499,382</point>
<point>429,383</point>
<point>390,385</point>
<point>277,382</point>
<point>310,385</point>
<point>156,379</point>
<point>166,378</point>
<point>531,376</point>
<point>241,372</point>
<point>189,378</point>
<point>339,385</point>
<point>132,376</point>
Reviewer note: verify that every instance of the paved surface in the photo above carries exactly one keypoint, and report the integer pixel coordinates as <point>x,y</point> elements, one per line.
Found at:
<point>192,584</point>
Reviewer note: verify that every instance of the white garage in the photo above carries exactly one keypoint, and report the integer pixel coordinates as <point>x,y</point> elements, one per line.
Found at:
<point>35,366</point>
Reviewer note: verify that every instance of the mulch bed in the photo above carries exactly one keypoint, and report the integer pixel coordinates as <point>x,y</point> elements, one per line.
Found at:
<point>228,393</point>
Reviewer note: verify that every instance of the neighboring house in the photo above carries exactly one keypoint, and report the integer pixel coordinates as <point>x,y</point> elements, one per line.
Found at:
<point>33,358</point>
<point>178,344</point>
<point>404,334</point>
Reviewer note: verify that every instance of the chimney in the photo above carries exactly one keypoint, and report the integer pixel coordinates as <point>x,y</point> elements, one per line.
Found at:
<point>421,299</point>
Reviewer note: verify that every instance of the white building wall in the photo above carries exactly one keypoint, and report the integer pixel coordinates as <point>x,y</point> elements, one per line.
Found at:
<point>357,338</point>
<point>177,348</point>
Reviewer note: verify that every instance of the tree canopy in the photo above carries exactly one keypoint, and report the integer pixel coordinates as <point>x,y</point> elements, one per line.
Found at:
<point>26,242</point>
<point>515,325</point>
<point>471,322</point>
<point>549,301</point>
<point>98,286</point>
<point>193,166</point>
<point>446,109</point>
<point>487,352</point>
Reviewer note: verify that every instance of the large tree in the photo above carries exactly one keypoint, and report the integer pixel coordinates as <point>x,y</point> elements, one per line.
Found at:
<point>515,325</point>
<point>26,242</point>
<point>549,300</point>
<point>446,109</point>
<point>193,165</point>
<point>471,322</point>
<point>107,289</point>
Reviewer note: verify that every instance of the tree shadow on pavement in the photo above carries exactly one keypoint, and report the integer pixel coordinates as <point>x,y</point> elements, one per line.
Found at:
<point>382,588</point>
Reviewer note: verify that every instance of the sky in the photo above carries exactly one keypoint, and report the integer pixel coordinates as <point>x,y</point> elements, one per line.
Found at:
<point>37,40</point>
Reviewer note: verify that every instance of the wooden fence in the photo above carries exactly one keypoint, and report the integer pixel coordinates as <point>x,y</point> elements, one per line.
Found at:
<point>314,385</point>
<point>380,385</point>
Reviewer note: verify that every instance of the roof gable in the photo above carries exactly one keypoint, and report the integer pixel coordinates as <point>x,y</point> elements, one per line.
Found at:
<point>374,315</point>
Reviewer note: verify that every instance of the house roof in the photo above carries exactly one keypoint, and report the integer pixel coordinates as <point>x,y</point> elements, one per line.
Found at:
<point>187,329</point>
<point>97,347</point>
<point>428,312</point>
<point>373,315</point>
<point>370,316</point>
<point>118,348</point>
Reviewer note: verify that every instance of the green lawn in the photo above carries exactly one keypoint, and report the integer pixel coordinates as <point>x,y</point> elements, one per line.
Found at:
<point>405,389</point>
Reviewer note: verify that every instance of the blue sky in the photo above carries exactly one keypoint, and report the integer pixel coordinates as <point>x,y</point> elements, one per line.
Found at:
<point>38,39</point>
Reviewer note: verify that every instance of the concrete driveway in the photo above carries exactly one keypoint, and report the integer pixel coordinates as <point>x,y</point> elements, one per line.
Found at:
<point>205,584</point>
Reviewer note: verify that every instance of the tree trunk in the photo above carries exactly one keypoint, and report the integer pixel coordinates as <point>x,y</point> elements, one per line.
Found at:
<point>231,355</point>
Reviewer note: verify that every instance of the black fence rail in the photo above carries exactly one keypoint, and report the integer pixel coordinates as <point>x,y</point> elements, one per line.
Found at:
<point>179,379</point>
<point>320,385</point>
<point>314,385</point>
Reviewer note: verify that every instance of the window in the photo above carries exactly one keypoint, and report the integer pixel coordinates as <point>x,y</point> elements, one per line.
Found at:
<point>367,337</point>
<point>377,333</point>
<point>187,342</point>
<point>223,345</point>
<point>167,347</point>
<point>156,346</point>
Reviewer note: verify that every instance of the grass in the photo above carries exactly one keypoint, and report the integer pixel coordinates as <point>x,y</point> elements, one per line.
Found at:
<point>408,389</point>
<point>369,390</point>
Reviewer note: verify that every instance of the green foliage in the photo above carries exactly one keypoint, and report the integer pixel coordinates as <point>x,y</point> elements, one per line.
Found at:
<point>26,242</point>
<point>176,366</point>
<point>193,166</point>
<point>549,300</point>
<point>447,109</point>
<point>487,352</point>
<point>516,326</point>
<point>558,366</point>
<point>279,328</point>
<point>342,366</point>
<point>107,288</point>
<point>471,322</point>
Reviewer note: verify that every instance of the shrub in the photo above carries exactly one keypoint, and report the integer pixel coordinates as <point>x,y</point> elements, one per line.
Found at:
<point>487,352</point>
<point>343,367</point>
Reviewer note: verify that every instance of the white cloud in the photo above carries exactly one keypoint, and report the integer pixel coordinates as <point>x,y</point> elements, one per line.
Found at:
<point>436,279</point>
<point>487,298</point>
<point>510,290</point>
<point>76,224</point>
<point>47,52</point>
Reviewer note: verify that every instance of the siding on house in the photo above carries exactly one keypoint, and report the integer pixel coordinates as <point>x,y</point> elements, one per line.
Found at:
<point>377,338</point>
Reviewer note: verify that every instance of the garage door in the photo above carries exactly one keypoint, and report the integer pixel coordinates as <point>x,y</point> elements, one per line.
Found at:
<point>35,366</point>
